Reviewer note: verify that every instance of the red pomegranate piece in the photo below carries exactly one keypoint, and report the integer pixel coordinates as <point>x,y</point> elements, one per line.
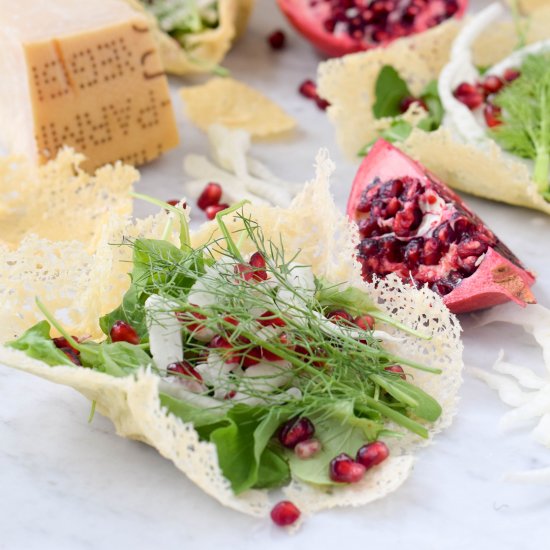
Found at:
<point>492,84</point>
<point>213,209</point>
<point>183,368</point>
<point>308,89</point>
<point>511,74</point>
<point>123,332</point>
<point>407,101</point>
<point>308,448</point>
<point>343,469</point>
<point>372,454</point>
<point>448,247</point>
<point>364,322</point>
<point>73,355</point>
<point>492,114</point>
<point>469,94</point>
<point>210,196</point>
<point>269,319</point>
<point>284,513</point>
<point>396,369</point>
<point>296,430</point>
<point>339,27</point>
<point>340,316</point>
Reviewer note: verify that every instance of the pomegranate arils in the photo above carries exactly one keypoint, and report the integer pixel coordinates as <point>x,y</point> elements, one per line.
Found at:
<point>296,430</point>
<point>365,322</point>
<point>492,114</point>
<point>511,74</point>
<point>396,369</point>
<point>492,84</point>
<point>123,332</point>
<point>277,40</point>
<point>251,357</point>
<point>183,368</point>
<point>212,210</point>
<point>210,196</point>
<point>343,469</point>
<point>372,454</point>
<point>284,513</point>
<point>469,94</point>
<point>175,202</point>
<point>340,316</point>
<point>407,101</point>
<point>429,235</point>
<point>268,319</point>
<point>308,448</point>
<point>73,355</point>
<point>308,89</point>
<point>61,342</point>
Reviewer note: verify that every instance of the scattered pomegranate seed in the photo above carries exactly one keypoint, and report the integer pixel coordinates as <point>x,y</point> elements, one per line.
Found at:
<point>284,339</point>
<point>308,89</point>
<point>213,209</point>
<point>492,84</point>
<point>270,356</point>
<point>183,368</point>
<point>492,114</point>
<point>257,261</point>
<point>284,513</point>
<point>511,74</point>
<point>365,322</point>
<point>230,395</point>
<point>231,320</point>
<point>340,316</point>
<point>407,101</point>
<point>277,40</point>
<point>185,317</point>
<point>175,202</point>
<point>251,357</point>
<point>469,94</point>
<point>61,342</point>
<point>219,342</point>
<point>323,104</point>
<point>343,469</point>
<point>210,196</point>
<point>371,454</point>
<point>123,332</point>
<point>397,369</point>
<point>308,448</point>
<point>296,430</point>
<point>73,355</point>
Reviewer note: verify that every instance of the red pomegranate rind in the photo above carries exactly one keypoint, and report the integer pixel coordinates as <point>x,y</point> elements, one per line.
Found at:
<point>339,27</point>
<point>413,225</point>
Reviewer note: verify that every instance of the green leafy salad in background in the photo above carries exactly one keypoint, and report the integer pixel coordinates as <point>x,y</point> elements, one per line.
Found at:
<point>260,343</point>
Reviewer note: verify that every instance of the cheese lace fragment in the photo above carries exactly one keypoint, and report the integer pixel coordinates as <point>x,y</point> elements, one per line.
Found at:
<point>327,241</point>
<point>204,50</point>
<point>234,104</point>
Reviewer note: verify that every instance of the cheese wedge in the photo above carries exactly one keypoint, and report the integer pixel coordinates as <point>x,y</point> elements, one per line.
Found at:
<point>84,74</point>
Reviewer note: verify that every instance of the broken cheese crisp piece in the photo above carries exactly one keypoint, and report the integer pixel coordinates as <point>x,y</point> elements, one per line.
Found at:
<point>83,74</point>
<point>234,105</point>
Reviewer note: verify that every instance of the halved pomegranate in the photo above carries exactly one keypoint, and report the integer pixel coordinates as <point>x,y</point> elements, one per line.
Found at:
<point>413,225</point>
<point>339,27</point>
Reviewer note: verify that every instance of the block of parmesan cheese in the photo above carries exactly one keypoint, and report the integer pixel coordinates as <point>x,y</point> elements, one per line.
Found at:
<point>85,74</point>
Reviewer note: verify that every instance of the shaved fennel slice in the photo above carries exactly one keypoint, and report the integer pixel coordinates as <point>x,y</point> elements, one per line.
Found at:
<point>240,176</point>
<point>508,390</point>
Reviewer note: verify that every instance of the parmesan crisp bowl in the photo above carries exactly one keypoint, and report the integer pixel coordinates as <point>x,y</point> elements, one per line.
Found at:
<point>81,283</point>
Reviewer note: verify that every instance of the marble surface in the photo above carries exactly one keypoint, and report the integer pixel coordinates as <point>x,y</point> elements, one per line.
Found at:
<point>68,484</point>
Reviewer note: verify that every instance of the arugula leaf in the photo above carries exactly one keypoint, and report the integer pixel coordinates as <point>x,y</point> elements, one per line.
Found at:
<point>389,90</point>
<point>117,358</point>
<point>36,343</point>
<point>525,128</point>
<point>190,413</point>
<point>339,431</point>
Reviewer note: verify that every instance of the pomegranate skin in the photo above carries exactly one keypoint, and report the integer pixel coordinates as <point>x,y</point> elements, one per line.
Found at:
<point>492,276</point>
<point>311,19</point>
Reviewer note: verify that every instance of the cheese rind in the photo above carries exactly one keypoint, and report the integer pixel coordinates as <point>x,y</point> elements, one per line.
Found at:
<point>102,91</point>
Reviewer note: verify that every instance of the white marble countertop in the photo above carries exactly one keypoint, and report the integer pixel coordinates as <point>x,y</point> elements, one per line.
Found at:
<point>67,484</point>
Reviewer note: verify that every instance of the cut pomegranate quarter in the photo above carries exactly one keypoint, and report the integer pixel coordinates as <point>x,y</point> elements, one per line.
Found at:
<point>413,225</point>
<point>339,27</point>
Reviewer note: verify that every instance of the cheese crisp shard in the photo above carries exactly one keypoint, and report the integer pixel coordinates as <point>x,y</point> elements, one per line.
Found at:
<point>234,105</point>
<point>205,50</point>
<point>325,239</point>
<point>83,74</point>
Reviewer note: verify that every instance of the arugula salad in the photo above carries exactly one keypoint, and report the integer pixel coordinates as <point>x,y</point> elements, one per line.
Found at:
<point>286,373</point>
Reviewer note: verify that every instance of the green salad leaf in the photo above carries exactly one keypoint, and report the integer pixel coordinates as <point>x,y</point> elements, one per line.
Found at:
<point>390,89</point>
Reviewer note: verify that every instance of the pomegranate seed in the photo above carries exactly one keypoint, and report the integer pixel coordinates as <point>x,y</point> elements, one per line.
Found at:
<point>277,40</point>
<point>61,342</point>
<point>210,196</point>
<point>308,448</point>
<point>323,104</point>
<point>492,114</point>
<point>284,513</point>
<point>511,74</point>
<point>270,356</point>
<point>251,357</point>
<point>492,84</point>
<point>340,316</point>
<point>284,339</point>
<point>231,320</point>
<point>257,261</point>
<point>308,89</point>
<point>187,316</point>
<point>269,319</point>
<point>73,355</point>
<point>219,342</point>
<point>213,209</point>
<point>343,469</point>
<point>175,202</point>
<point>230,395</point>
<point>364,322</point>
<point>123,332</point>
<point>183,368</point>
<point>397,370</point>
<point>371,454</point>
<point>407,101</point>
<point>469,95</point>
<point>296,430</point>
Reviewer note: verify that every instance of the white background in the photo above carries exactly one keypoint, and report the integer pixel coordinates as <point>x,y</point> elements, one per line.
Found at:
<point>67,484</point>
